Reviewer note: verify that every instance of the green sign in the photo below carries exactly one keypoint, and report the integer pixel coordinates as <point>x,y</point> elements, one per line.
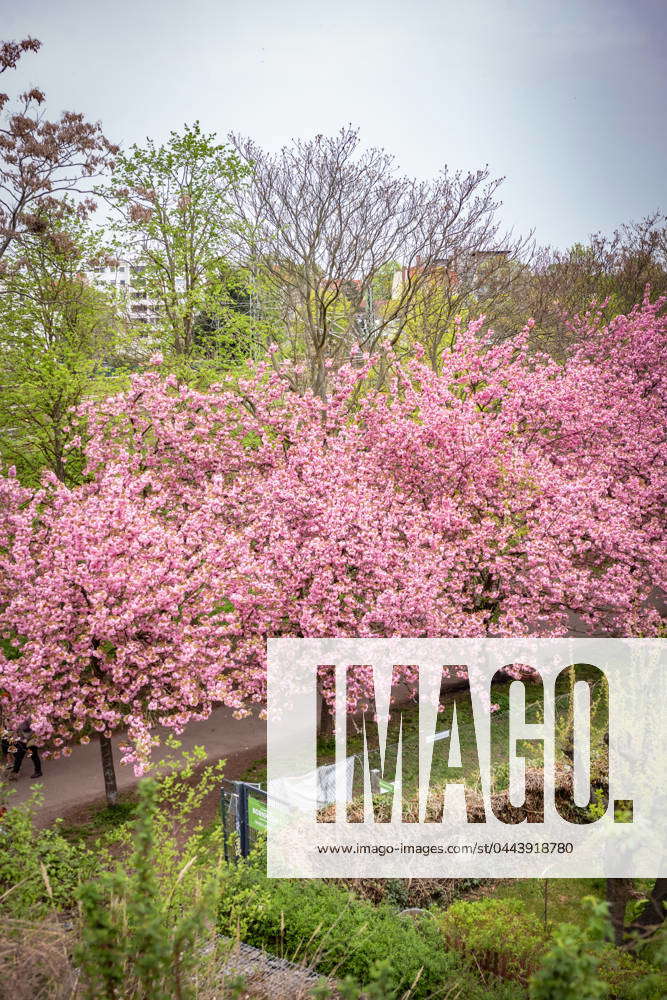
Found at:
<point>257,814</point>
<point>386,786</point>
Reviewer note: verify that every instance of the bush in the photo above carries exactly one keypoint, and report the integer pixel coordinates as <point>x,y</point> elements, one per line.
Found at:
<point>340,935</point>
<point>570,969</point>
<point>410,892</point>
<point>39,869</point>
<point>479,930</point>
<point>140,936</point>
<point>580,965</point>
<point>569,964</point>
<point>629,978</point>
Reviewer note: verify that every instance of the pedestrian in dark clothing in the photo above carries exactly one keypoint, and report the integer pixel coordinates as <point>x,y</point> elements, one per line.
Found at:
<point>5,742</point>
<point>23,744</point>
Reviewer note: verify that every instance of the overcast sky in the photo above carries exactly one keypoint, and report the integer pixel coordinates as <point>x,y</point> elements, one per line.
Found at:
<point>565,98</point>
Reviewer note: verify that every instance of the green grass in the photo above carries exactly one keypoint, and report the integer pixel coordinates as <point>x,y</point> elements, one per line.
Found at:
<point>410,718</point>
<point>100,821</point>
<point>467,737</point>
<point>564,895</point>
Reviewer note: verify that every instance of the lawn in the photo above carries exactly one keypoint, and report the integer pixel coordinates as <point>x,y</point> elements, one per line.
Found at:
<point>500,696</point>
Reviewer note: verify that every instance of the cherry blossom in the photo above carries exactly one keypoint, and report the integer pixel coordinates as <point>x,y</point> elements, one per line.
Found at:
<point>506,495</point>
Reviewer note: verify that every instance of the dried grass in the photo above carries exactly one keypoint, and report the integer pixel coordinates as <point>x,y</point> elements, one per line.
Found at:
<point>36,964</point>
<point>35,961</point>
<point>475,803</point>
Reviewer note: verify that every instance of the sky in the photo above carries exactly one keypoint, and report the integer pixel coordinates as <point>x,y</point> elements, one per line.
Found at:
<point>564,98</point>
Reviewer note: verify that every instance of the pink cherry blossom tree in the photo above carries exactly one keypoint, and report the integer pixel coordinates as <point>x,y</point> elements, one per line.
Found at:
<point>120,616</point>
<point>503,496</point>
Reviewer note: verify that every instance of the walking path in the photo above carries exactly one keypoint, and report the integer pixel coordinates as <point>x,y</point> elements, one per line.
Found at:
<point>75,781</point>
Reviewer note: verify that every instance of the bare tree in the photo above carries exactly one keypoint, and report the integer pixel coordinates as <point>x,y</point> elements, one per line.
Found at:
<point>476,283</point>
<point>41,159</point>
<point>323,218</point>
<point>639,254</point>
<point>608,273</point>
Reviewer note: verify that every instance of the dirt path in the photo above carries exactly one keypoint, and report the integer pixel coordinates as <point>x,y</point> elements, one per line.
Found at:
<point>76,781</point>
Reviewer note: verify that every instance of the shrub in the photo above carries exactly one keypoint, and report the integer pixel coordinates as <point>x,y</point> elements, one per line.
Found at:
<point>410,892</point>
<point>572,963</point>
<point>569,970</point>
<point>140,938</point>
<point>340,935</point>
<point>629,978</point>
<point>39,869</point>
<point>581,965</point>
<point>480,930</point>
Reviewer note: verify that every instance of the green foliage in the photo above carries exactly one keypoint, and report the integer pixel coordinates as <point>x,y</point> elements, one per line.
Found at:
<point>61,341</point>
<point>397,893</point>
<point>431,319</point>
<point>338,933</point>
<point>379,987</point>
<point>571,962</point>
<point>628,977</point>
<point>381,283</point>
<point>39,869</point>
<point>174,217</point>
<point>148,920</point>
<point>479,930</point>
<point>564,897</point>
<point>140,933</point>
<point>180,836</point>
<point>570,969</point>
<point>145,917</point>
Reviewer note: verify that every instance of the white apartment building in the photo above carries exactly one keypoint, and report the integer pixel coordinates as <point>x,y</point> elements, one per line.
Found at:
<point>124,278</point>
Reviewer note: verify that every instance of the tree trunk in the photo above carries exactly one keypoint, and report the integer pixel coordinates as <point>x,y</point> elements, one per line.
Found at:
<point>653,913</point>
<point>618,893</point>
<point>319,385</point>
<point>108,770</point>
<point>325,721</point>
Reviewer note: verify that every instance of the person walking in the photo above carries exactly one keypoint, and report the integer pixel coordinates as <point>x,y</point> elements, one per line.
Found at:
<point>23,744</point>
<point>5,737</point>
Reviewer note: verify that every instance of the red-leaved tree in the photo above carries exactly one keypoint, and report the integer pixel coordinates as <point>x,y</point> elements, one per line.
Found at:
<point>41,159</point>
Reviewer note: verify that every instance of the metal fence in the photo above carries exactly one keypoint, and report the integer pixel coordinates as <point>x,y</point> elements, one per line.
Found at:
<point>243,809</point>
<point>244,816</point>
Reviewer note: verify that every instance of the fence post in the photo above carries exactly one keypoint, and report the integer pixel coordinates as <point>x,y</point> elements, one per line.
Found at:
<point>229,811</point>
<point>375,781</point>
<point>243,818</point>
<point>223,817</point>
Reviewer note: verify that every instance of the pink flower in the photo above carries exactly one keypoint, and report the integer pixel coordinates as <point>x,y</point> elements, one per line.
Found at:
<point>498,496</point>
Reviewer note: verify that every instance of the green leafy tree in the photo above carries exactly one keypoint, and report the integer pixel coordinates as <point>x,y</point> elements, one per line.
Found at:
<point>173,215</point>
<point>433,318</point>
<point>61,340</point>
<point>233,330</point>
